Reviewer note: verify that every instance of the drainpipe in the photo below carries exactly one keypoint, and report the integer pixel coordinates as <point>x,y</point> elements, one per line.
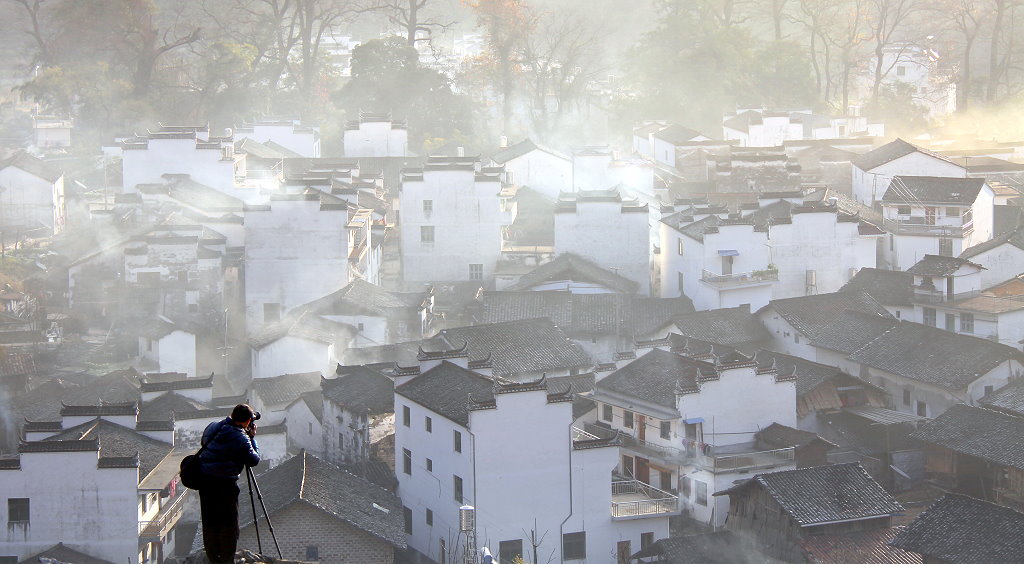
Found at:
<point>476,522</point>
<point>561,526</point>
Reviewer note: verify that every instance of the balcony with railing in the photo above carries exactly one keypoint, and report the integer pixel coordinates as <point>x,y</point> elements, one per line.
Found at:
<point>633,499</point>
<point>168,516</point>
<point>930,227</point>
<point>753,278</point>
<point>931,295</point>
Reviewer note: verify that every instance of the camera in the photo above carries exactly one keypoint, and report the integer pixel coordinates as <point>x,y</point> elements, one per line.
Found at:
<point>255,415</point>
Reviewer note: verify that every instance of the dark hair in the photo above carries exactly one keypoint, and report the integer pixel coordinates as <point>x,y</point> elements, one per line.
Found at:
<point>241,413</point>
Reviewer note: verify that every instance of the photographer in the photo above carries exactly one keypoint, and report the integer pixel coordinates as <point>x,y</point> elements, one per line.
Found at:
<point>230,447</point>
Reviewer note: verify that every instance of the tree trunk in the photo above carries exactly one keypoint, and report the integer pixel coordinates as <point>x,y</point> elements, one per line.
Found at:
<point>412,22</point>
<point>994,66</point>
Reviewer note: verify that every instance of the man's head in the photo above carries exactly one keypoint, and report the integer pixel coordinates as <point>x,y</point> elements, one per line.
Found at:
<point>242,415</point>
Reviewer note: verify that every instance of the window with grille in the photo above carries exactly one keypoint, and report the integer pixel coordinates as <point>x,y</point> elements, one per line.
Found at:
<point>17,510</point>
<point>476,272</point>
<point>574,546</point>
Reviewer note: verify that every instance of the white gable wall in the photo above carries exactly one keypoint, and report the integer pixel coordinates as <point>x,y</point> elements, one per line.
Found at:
<point>869,186</point>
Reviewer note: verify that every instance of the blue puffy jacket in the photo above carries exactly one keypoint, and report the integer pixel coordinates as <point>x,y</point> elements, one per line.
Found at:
<point>230,451</point>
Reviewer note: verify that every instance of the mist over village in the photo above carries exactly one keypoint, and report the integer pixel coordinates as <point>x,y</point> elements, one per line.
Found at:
<point>511,281</point>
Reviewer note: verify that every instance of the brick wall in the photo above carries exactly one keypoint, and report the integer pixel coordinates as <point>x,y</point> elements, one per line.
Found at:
<point>301,525</point>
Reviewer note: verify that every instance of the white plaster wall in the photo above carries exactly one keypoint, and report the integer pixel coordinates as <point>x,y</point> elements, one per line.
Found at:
<point>1002,263</point>
<point>305,141</point>
<point>291,355</point>
<point>869,186</point>
<point>176,352</point>
<point>816,241</point>
<point>376,139</point>
<point>542,172</point>
<point>590,171</point>
<point>433,490</point>
<point>982,212</point>
<point>27,200</point>
<point>785,337</point>
<point>72,501</point>
<point>664,152</point>
<point>467,218</point>
<point>374,329</point>
<point>601,232</point>
<point>294,254</point>
<point>176,156</point>
<point>304,429</point>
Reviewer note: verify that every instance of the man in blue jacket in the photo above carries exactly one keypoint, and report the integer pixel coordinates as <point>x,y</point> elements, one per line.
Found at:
<point>230,447</point>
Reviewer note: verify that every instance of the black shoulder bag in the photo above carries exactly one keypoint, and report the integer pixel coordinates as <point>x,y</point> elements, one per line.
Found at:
<point>189,469</point>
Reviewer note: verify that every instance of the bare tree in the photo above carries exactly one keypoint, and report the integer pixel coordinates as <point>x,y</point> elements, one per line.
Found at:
<point>887,21</point>
<point>966,17</point>
<point>409,15</point>
<point>34,9</point>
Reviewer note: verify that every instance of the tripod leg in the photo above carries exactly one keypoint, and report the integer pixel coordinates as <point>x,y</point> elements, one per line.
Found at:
<point>266,515</point>
<point>252,502</point>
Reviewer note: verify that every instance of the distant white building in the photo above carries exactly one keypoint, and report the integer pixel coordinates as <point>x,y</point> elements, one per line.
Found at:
<point>358,411</point>
<point>31,195</point>
<point>874,170</point>
<point>52,132</point>
<point>297,249</point>
<point>453,220</point>
<point>461,439</point>
<point>376,135</point>
<point>763,128</point>
<point>918,68</point>
<point>207,159</point>
<point>782,249</point>
<point>289,134</point>
<point>165,346</point>
<point>1002,257</point>
<point>605,228</point>
<point>689,416</point>
<point>539,168</point>
<point>927,215</point>
<point>98,481</point>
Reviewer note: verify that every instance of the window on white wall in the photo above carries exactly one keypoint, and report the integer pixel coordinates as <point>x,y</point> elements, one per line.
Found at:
<point>476,272</point>
<point>967,322</point>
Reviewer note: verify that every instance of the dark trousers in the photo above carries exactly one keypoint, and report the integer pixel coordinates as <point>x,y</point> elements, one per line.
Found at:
<point>218,503</point>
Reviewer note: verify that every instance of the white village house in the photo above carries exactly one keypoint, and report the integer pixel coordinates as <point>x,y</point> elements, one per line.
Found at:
<point>874,170</point>
<point>31,195</point>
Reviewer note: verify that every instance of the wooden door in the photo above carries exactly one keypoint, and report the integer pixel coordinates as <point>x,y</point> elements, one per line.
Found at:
<point>641,427</point>
<point>643,470</point>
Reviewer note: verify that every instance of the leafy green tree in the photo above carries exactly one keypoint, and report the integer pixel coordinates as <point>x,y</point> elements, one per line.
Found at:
<point>387,77</point>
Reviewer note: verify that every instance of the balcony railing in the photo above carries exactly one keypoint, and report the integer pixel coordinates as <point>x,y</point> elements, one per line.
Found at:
<point>739,279</point>
<point>157,529</point>
<point>936,296</point>
<point>909,226</point>
<point>746,461</point>
<point>634,499</point>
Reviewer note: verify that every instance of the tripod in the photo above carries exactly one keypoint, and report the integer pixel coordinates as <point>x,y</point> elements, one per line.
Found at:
<point>249,477</point>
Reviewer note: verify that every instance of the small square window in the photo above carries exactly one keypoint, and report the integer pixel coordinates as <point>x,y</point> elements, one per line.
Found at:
<point>428,424</point>
<point>476,272</point>
<point>428,207</point>
<point>430,465</point>
<point>967,322</point>
<point>406,415</point>
<point>430,518</point>
<point>928,315</point>
<point>426,234</point>
<point>606,412</point>
<point>666,429</point>
<point>627,419</point>
<point>457,488</point>
<point>700,492</point>
<point>407,514</point>
<point>407,461</point>
<point>903,210</point>
<point>646,540</point>
<point>457,441</point>
<point>17,510</point>
<point>906,396</point>
<point>922,409</point>
<point>574,546</point>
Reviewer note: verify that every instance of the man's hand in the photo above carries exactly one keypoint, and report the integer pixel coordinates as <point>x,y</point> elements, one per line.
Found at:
<point>251,431</point>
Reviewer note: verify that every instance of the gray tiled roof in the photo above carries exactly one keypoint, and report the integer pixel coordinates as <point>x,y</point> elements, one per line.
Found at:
<point>516,347</point>
<point>655,377</point>
<point>585,314</point>
<point>361,297</point>
<point>890,152</point>
<point>119,442</point>
<point>286,388</point>
<point>727,326</point>
<point>888,287</point>
<point>149,385</point>
<point>446,389</point>
<point>824,494</point>
<point>676,134</point>
<point>305,478</point>
<point>33,165</point>
<point>569,266</point>
<point>852,329</point>
<point>361,388</point>
<point>933,189</point>
<point>1009,398</point>
<point>958,528</point>
<point>163,407</point>
<point>810,315</point>
<point>927,354</point>
<point>1014,238</point>
<point>722,547</point>
<point>59,553</point>
<point>809,375</point>
<point>936,265</point>
<point>778,435</point>
<point>863,547</point>
<point>990,435</point>
<point>304,325</point>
